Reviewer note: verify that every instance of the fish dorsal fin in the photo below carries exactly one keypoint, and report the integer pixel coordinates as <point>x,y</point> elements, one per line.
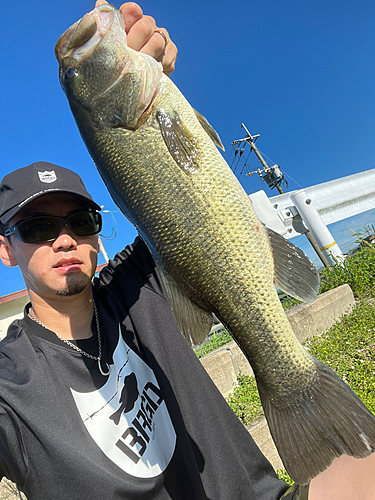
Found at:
<point>194,322</point>
<point>214,136</point>
<point>294,273</point>
<point>181,143</point>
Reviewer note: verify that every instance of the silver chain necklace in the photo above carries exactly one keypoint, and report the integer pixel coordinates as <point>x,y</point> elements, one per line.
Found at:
<point>97,358</point>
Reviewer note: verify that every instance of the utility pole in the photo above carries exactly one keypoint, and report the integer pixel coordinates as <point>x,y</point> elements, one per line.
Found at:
<point>103,250</point>
<point>273,177</point>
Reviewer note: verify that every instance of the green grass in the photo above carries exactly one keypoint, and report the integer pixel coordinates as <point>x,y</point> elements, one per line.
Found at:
<point>286,300</point>
<point>358,271</point>
<point>245,401</point>
<point>349,349</point>
<point>284,476</point>
<point>216,341</point>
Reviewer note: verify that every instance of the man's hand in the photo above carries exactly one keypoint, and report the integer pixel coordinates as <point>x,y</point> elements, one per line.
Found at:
<point>142,35</point>
<point>347,478</point>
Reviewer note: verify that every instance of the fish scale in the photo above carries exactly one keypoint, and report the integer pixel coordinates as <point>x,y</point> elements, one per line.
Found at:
<point>158,159</point>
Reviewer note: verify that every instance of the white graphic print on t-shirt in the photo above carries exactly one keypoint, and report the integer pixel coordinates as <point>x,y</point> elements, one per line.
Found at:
<point>128,417</point>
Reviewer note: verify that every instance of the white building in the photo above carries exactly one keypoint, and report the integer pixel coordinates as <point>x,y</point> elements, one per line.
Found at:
<point>11,308</point>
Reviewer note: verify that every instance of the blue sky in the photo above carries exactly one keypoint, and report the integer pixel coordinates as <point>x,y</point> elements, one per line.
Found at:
<point>301,74</point>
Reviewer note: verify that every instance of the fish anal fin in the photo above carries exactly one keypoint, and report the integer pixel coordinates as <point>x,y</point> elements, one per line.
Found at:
<point>181,143</point>
<point>327,421</point>
<point>214,136</point>
<point>294,273</point>
<point>194,322</point>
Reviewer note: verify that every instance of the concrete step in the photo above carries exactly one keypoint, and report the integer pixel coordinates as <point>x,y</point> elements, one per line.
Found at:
<point>9,491</point>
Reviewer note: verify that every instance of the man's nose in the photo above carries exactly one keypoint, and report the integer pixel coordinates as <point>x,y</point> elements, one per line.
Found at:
<point>66,238</point>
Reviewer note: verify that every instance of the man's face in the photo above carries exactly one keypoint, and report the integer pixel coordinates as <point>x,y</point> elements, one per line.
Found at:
<point>60,268</point>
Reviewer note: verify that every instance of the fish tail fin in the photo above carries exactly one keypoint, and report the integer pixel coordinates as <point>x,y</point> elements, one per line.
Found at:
<point>328,421</point>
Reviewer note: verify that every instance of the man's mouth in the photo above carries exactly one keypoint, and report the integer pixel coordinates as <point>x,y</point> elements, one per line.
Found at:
<point>68,265</point>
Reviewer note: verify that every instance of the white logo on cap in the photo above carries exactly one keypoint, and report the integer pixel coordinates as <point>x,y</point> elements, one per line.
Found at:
<point>47,176</point>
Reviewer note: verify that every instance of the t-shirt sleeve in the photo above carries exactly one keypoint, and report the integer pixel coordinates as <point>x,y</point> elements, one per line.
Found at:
<point>134,264</point>
<point>13,458</point>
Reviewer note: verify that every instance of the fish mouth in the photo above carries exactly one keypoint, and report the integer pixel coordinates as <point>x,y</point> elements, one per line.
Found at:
<point>79,43</point>
<point>80,40</point>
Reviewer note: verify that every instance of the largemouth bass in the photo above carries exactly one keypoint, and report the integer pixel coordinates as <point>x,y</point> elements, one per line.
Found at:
<point>159,160</point>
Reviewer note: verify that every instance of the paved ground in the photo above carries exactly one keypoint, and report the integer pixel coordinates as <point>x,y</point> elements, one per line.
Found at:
<point>8,491</point>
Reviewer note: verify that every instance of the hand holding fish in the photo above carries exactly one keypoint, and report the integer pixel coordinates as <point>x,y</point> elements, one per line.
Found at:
<point>144,36</point>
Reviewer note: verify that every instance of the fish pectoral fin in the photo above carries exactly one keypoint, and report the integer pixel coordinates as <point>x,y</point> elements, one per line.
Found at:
<point>294,273</point>
<point>214,136</point>
<point>181,143</point>
<point>325,420</point>
<point>194,322</point>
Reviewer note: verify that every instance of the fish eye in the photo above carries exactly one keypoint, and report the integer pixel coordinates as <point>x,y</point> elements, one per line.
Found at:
<point>71,73</point>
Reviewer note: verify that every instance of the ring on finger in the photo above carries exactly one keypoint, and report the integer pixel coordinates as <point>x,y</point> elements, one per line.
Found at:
<point>164,36</point>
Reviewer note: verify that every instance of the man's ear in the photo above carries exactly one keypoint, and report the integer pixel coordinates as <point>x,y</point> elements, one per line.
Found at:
<point>7,253</point>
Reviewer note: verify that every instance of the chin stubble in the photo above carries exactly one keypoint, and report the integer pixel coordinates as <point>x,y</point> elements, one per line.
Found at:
<point>72,288</point>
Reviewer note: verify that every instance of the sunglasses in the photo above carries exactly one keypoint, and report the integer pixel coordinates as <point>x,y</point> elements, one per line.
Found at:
<point>44,228</point>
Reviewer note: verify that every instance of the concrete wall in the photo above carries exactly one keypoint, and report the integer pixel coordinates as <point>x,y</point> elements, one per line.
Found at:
<point>11,310</point>
<point>312,319</point>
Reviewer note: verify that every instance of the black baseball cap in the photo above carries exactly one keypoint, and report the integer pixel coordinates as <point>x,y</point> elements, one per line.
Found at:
<point>24,185</point>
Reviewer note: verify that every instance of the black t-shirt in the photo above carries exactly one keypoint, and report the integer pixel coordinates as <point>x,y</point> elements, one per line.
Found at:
<point>155,428</point>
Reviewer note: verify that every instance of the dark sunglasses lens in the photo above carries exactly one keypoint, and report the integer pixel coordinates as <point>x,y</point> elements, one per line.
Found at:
<point>38,229</point>
<point>85,223</point>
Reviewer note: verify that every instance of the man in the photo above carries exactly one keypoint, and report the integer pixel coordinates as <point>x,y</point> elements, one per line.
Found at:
<point>100,396</point>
